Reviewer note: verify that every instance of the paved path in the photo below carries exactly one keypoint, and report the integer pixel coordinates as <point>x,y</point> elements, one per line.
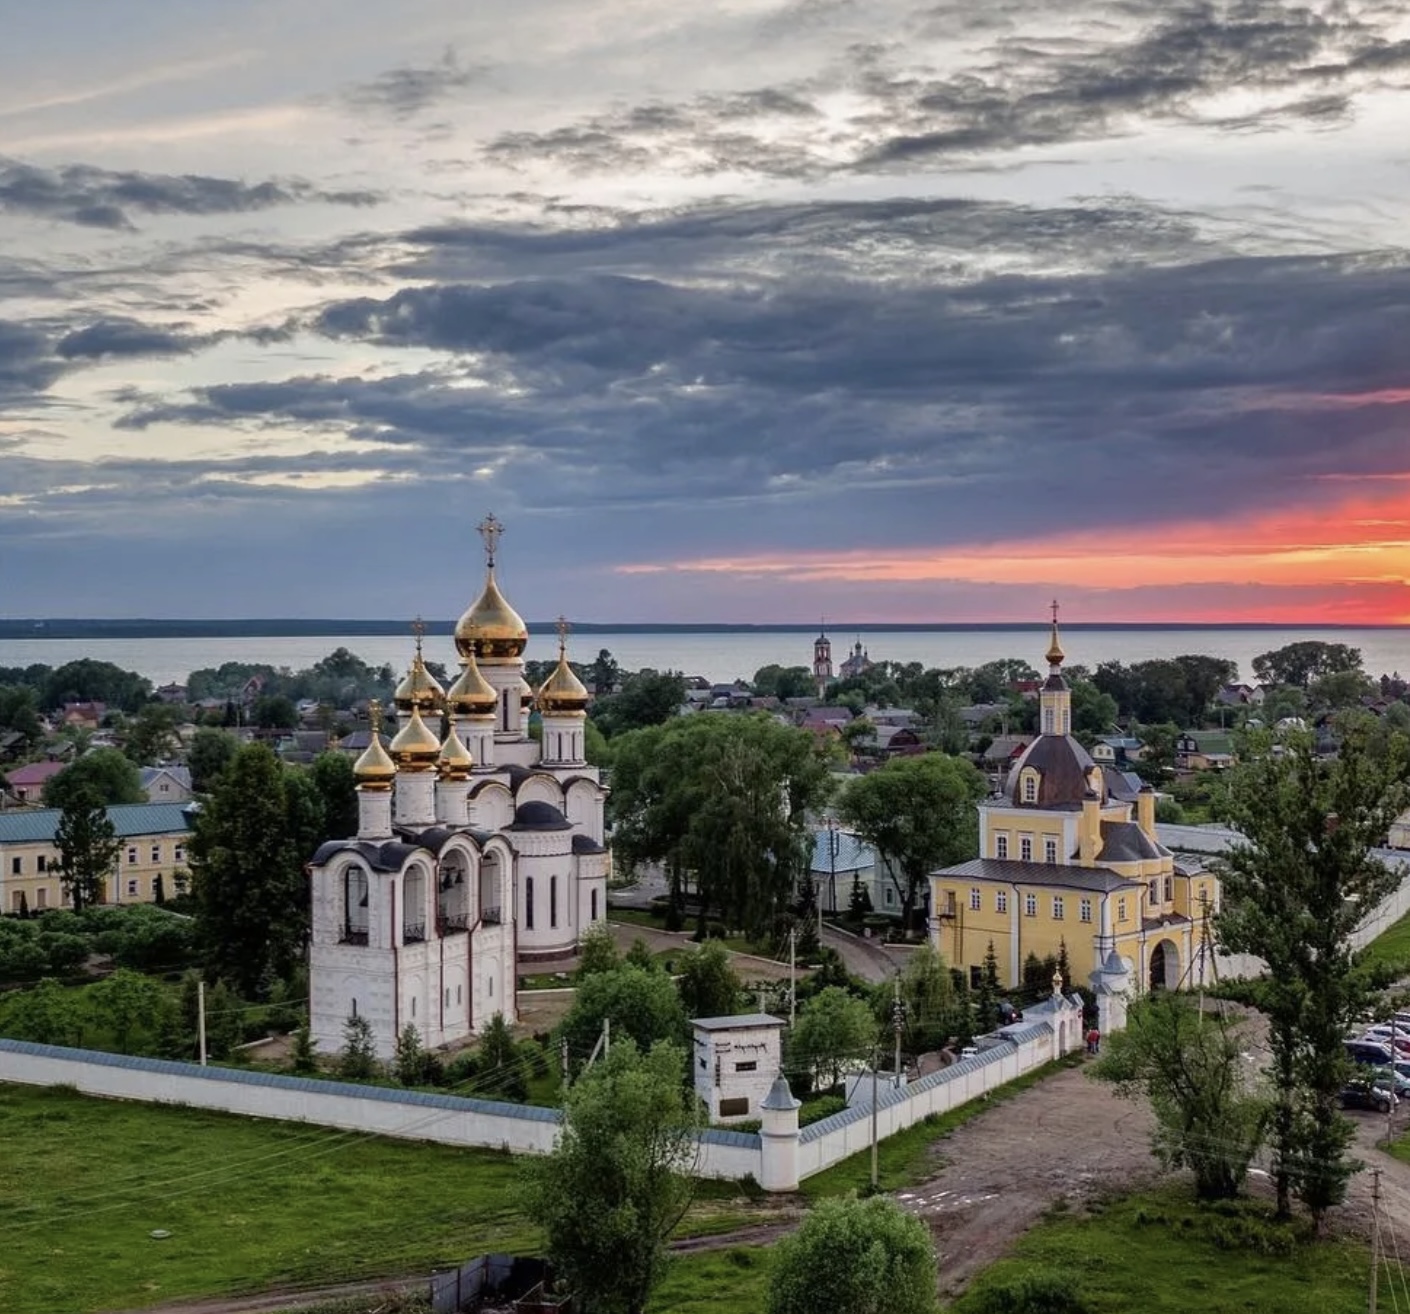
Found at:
<point>868,959</point>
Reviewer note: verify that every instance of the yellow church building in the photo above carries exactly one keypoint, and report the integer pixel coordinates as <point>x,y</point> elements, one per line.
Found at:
<point>1069,856</point>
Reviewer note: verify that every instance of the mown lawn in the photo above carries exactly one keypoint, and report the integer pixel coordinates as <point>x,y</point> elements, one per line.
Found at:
<point>1161,1254</point>
<point>1391,947</point>
<point>715,1282</point>
<point>248,1203</point>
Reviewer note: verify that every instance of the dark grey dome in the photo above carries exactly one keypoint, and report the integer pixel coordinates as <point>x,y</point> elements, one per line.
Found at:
<point>539,816</point>
<point>1063,766</point>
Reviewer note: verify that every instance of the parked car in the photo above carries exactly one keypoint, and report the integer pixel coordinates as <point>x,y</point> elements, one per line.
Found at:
<point>1388,1035</point>
<point>1392,1078</point>
<point>1361,1094</point>
<point>1371,1052</point>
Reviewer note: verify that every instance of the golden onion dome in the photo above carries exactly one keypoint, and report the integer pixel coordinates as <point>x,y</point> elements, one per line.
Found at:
<point>1055,654</point>
<point>562,693</point>
<point>491,629</point>
<point>419,688</point>
<point>526,693</point>
<point>415,748</point>
<point>455,762</point>
<point>471,694</point>
<point>375,770</point>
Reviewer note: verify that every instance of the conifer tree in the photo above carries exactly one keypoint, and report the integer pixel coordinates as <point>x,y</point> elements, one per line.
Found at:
<point>358,1061</point>
<point>88,849</point>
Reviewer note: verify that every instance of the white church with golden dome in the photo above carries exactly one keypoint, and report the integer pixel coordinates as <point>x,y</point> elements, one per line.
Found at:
<point>474,852</point>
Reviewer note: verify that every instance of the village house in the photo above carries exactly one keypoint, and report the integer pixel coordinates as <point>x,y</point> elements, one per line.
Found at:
<point>27,783</point>
<point>166,784</point>
<point>1204,750</point>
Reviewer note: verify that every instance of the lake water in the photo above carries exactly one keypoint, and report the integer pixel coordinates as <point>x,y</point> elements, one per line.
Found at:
<point>723,656</point>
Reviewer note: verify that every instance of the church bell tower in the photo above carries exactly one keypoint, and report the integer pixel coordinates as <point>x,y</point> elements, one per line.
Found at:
<point>822,661</point>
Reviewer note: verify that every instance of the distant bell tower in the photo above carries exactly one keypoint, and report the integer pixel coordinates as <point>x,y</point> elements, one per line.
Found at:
<point>822,660</point>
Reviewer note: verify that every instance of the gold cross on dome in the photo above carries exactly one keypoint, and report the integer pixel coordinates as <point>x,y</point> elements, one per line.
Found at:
<point>563,628</point>
<point>1055,611</point>
<point>418,628</point>
<point>374,714</point>
<point>490,529</point>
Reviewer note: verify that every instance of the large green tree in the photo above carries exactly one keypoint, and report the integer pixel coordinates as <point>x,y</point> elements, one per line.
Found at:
<point>919,813</point>
<point>834,1028</point>
<point>104,774</point>
<point>1295,886</point>
<point>210,753</point>
<point>19,712</point>
<point>1305,661</point>
<point>150,737</point>
<point>1190,1066</point>
<point>646,698</point>
<point>88,849</point>
<point>721,800</point>
<point>708,984</point>
<point>87,680</point>
<point>641,1003</point>
<point>618,1180</point>
<point>855,1256</point>
<point>250,894</point>
<point>332,775</point>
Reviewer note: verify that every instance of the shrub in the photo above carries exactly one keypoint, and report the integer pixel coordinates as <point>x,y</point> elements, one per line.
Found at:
<point>1041,1291</point>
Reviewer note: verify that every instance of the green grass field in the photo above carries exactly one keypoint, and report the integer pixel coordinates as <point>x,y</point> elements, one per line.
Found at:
<point>1392,947</point>
<point>249,1203</point>
<point>1160,1254</point>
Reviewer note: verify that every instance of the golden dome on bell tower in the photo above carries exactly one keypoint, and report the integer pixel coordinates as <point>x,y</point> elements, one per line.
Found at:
<point>491,629</point>
<point>563,693</point>
<point>455,762</point>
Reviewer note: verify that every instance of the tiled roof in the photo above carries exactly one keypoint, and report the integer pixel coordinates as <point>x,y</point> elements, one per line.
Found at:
<point>36,773</point>
<point>1125,841</point>
<point>1013,872</point>
<point>128,819</point>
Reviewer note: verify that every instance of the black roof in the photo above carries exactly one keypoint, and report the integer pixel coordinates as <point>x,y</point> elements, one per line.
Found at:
<point>539,816</point>
<point>586,844</point>
<point>1062,765</point>
<point>1125,841</point>
<point>383,855</point>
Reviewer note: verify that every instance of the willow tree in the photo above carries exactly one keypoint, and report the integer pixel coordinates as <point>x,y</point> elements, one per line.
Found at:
<point>721,800</point>
<point>1295,887</point>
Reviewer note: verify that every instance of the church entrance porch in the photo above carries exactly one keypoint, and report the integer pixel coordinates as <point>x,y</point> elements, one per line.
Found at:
<point>1164,966</point>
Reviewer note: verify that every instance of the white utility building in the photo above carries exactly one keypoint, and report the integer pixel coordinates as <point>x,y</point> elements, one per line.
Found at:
<point>735,1063</point>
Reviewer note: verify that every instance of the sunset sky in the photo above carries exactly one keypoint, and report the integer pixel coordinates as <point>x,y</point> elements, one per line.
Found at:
<point>745,311</point>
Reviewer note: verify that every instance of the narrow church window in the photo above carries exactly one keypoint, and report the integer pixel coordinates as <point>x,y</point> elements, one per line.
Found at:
<point>457,994</point>
<point>1057,907</point>
<point>528,903</point>
<point>594,906</point>
<point>1169,888</point>
<point>1030,789</point>
<point>1001,901</point>
<point>1001,846</point>
<point>1047,720</point>
<point>1121,910</point>
<point>1084,910</point>
<point>975,901</point>
<point>1025,848</point>
<point>413,1005</point>
<point>491,985</point>
<point>354,1004</point>
<point>1030,905</point>
<point>1050,850</point>
<point>553,900</point>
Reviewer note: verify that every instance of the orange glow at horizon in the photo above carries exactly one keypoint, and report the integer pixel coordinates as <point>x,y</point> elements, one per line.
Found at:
<point>1355,556</point>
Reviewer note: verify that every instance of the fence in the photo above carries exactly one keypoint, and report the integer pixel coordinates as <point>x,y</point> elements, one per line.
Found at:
<point>525,1129</point>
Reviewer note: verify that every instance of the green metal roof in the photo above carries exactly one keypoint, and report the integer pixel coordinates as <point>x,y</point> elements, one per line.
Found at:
<point>129,819</point>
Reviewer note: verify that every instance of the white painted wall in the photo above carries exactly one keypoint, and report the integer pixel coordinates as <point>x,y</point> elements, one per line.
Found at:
<point>718,1056</point>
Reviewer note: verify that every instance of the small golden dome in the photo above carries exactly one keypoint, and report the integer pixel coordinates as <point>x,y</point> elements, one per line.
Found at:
<point>415,748</point>
<point>374,770</point>
<point>491,629</point>
<point>471,694</point>
<point>419,688</point>
<point>455,762</point>
<point>1055,654</point>
<point>526,693</point>
<point>562,693</point>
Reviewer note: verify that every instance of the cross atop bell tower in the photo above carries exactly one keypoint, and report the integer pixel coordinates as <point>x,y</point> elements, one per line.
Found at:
<point>490,530</point>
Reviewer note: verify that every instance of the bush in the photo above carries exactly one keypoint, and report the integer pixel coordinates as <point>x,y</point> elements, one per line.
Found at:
<point>822,1107</point>
<point>1042,1291</point>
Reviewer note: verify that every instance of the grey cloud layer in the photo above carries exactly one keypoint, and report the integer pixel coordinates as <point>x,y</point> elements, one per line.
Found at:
<point>105,198</point>
<point>1131,63</point>
<point>1139,387</point>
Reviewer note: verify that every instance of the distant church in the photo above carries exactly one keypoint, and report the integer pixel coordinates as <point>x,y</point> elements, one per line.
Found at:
<point>1070,857</point>
<point>474,852</point>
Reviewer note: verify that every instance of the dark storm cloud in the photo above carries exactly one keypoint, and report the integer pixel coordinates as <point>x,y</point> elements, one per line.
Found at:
<point>1132,64</point>
<point>127,337</point>
<point>27,364</point>
<point>1140,388</point>
<point>105,198</point>
<point>404,92</point>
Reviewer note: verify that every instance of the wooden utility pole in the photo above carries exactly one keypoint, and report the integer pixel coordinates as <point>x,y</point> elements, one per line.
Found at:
<point>201,1019</point>
<point>1375,1235</point>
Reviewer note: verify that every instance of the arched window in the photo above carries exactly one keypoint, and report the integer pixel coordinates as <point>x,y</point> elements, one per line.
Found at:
<point>1047,720</point>
<point>593,915</point>
<point>528,903</point>
<point>1030,788</point>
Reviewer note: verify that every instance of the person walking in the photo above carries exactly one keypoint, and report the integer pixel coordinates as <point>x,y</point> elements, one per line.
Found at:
<point>1094,1041</point>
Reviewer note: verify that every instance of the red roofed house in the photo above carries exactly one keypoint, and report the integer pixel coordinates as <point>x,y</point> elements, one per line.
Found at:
<point>26,783</point>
